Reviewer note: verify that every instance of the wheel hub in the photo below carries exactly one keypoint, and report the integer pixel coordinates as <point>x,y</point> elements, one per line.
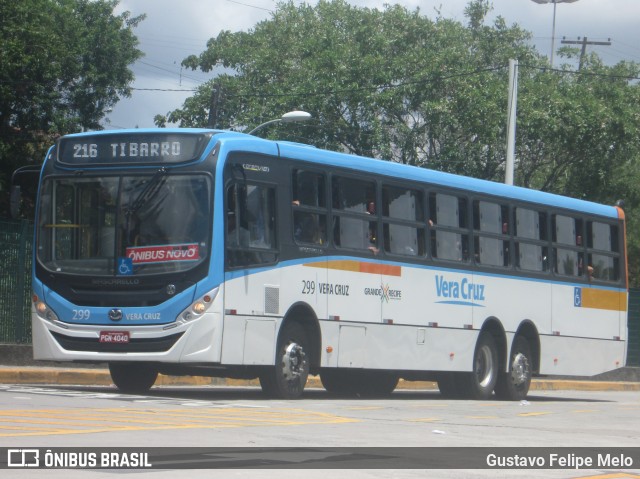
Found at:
<point>485,367</point>
<point>293,361</point>
<point>519,369</point>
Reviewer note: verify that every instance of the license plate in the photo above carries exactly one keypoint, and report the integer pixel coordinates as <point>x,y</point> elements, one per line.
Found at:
<point>114,337</point>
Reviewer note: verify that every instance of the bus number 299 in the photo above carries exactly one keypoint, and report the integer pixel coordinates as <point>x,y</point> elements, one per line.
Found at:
<point>308,287</point>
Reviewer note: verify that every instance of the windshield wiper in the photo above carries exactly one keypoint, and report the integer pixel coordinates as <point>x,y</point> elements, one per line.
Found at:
<point>152,187</point>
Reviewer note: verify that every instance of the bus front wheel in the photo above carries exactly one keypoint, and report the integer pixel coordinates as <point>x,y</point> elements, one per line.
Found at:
<point>134,378</point>
<point>514,384</point>
<point>289,376</point>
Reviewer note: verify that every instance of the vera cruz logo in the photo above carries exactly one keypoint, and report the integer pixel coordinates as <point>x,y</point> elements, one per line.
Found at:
<point>463,292</point>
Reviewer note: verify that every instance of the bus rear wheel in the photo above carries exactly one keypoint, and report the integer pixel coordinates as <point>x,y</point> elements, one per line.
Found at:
<point>287,379</point>
<point>480,383</point>
<point>514,384</point>
<point>134,378</point>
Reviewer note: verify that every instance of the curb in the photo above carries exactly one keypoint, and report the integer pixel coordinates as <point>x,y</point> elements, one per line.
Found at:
<point>101,377</point>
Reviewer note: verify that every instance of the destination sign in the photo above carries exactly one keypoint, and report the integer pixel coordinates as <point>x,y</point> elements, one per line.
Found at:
<point>136,148</point>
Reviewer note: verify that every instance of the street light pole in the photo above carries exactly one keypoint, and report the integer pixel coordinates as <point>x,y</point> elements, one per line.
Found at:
<point>553,32</point>
<point>553,28</point>
<point>291,117</point>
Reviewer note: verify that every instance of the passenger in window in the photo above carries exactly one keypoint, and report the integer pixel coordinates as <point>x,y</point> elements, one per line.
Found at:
<point>307,228</point>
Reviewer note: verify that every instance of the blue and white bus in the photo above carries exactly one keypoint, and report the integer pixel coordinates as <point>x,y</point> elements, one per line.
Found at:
<point>204,252</point>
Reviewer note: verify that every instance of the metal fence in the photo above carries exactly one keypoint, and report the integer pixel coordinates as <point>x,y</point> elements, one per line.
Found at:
<point>633,324</point>
<point>16,239</point>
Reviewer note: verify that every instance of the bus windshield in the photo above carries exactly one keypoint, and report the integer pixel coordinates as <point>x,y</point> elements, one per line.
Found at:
<point>124,225</point>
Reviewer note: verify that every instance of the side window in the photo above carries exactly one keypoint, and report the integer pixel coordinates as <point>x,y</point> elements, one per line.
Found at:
<point>309,207</point>
<point>354,214</point>
<point>530,233</point>
<point>403,222</point>
<point>448,221</point>
<point>603,261</point>
<point>251,224</point>
<point>568,245</point>
<point>491,230</point>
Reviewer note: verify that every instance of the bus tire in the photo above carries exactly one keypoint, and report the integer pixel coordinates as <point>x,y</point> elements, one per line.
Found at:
<point>287,379</point>
<point>133,378</point>
<point>449,385</point>
<point>376,383</point>
<point>336,381</point>
<point>514,384</point>
<point>480,383</point>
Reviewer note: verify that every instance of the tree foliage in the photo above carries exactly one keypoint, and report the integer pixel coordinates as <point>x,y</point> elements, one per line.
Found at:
<point>63,64</point>
<point>398,85</point>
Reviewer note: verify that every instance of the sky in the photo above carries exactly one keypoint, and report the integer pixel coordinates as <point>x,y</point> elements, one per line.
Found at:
<point>174,30</point>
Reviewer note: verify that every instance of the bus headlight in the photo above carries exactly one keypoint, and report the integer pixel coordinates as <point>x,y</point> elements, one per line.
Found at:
<point>200,306</point>
<point>42,310</point>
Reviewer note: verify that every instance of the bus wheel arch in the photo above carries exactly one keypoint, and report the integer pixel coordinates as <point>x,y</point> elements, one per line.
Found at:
<point>297,353</point>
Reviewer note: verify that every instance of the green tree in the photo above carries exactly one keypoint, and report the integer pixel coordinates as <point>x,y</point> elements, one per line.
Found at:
<point>398,85</point>
<point>391,83</point>
<point>63,64</point>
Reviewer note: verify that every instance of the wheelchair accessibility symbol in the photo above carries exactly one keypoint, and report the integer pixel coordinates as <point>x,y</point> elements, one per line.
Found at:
<point>577,297</point>
<point>125,266</point>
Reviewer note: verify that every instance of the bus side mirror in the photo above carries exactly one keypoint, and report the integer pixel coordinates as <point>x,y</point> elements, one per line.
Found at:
<point>15,201</point>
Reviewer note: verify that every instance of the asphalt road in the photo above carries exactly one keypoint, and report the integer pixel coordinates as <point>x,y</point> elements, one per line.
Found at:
<point>99,417</point>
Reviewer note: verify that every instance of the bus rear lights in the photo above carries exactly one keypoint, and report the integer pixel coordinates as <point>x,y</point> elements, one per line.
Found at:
<point>231,312</point>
